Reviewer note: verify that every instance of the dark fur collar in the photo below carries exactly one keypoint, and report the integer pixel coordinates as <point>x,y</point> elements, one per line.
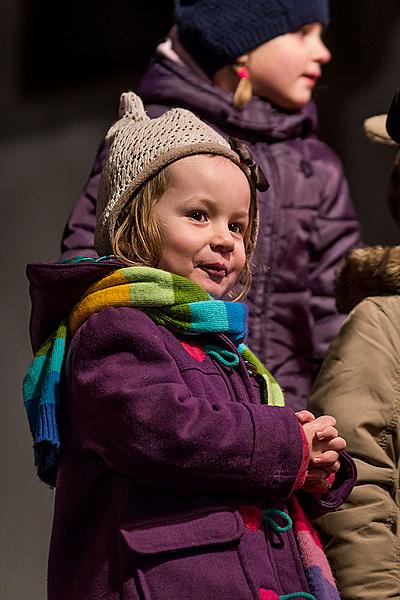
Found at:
<point>364,272</point>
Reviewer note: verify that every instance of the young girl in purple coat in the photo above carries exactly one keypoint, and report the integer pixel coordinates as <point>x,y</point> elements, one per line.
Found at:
<point>181,474</point>
<point>249,70</point>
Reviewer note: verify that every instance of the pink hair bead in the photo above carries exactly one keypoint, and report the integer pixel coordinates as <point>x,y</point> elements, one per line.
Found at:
<point>243,73</point>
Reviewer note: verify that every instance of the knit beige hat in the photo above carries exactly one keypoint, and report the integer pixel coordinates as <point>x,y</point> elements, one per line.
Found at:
<point>139,147</point>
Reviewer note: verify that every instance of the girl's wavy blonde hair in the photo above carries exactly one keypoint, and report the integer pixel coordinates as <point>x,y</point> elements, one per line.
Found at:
<point>137,239</point>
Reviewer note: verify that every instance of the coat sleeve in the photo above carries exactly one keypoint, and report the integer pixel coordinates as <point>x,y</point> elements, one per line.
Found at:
<point>78,235</point>
<point>359,384</point>
<point>316,505</point>
<point>335,230</point>
<point>132,407</point>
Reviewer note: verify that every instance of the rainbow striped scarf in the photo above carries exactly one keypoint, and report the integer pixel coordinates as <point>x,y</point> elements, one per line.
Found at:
<point>169,300</point>
<point>183,307</point>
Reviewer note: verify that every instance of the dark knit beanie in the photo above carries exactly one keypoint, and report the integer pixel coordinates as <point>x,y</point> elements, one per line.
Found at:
<point>217,32</point>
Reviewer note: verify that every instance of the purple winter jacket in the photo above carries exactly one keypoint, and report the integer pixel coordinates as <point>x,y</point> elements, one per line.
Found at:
<point>164,453</point>
<point>307,221</point>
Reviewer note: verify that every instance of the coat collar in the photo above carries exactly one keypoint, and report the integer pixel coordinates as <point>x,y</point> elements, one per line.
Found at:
<point>173,83</point>
<point>371,271</point>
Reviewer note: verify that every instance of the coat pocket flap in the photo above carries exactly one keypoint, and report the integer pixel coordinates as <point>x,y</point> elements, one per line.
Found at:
<point>195,532</point>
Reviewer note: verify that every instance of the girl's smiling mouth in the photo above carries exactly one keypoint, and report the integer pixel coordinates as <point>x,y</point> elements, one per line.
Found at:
<point>214,269</point>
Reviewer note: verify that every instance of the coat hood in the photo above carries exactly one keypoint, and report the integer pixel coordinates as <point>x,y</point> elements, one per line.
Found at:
<point>364,272</point>
<point>55,288</point>
<point>170,83</point>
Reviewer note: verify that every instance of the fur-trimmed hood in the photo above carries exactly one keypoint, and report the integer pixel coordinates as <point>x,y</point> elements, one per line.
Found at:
<point>363,272</point>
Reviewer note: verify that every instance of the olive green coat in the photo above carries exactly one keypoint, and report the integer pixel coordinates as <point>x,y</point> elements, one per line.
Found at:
<point>359,384</point>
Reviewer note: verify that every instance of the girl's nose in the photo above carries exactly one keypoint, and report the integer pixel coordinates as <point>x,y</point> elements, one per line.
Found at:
<point>323,55</point>
<point>222,240</point>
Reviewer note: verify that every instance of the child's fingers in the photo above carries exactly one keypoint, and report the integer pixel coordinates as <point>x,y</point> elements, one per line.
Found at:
<point>338,444</point>
<point>324,469</point>
<point>332,468</point>
<point>318,481</point>
<point>329,457</point>
<point>316,476</point>
<point>328,433</point>
<point>324,421</point>
<point>304,416</point>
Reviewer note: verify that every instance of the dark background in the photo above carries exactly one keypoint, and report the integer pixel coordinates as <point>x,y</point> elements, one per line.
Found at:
<point>62,68</point>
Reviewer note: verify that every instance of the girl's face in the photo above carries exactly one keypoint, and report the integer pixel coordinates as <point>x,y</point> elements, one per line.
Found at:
<point>202,217</point>
<point>286,68</point>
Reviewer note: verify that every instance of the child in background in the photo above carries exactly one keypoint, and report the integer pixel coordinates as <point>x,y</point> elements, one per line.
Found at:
<point>179,466</point>
<point>359,381</point>
<point>249,69</point>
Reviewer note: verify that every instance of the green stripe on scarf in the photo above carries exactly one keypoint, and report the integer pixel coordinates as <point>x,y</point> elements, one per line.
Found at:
<point>169,300</point>
<point>274,391</point>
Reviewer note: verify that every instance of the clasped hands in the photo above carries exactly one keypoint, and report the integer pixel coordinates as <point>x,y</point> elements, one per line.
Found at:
<point>324,443</point>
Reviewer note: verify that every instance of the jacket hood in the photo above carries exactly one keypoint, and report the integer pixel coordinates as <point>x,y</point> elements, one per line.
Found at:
<point>55,288</point>
<point>364,272</point>
<point>169,83</point>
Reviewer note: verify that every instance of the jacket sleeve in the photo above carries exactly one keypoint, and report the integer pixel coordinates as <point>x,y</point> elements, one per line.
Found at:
<point>359,384</point>
<point>335,230</point>
<point>316,505</point>
<point>78,235</point>
<point>135,410</point>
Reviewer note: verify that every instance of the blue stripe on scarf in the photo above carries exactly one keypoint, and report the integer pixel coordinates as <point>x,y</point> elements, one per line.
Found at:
<point>41,391</point>
<point>237,315</point>
<point>229,318</point>
<point>41,386</point>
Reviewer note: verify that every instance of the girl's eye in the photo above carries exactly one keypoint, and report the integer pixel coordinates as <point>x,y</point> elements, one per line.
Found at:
<point>198,215</point>
<point>236,227</point>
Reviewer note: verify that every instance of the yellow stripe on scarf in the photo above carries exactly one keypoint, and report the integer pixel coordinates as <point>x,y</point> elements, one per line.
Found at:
<point>116,289</point>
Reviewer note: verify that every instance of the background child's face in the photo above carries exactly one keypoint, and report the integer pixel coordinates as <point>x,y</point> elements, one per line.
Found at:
<point>286,68</point>
<point>203,216</point>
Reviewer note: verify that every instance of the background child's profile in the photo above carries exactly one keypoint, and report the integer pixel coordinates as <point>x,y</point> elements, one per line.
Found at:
<point>359,382</point>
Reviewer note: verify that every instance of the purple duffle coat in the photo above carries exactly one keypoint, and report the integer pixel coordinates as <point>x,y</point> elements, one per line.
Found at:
<point>307,221</point>
<point>164,451</point>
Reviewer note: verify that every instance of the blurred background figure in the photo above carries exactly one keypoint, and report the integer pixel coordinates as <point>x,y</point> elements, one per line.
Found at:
<point>359,382</point>
<point>63,65</point>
